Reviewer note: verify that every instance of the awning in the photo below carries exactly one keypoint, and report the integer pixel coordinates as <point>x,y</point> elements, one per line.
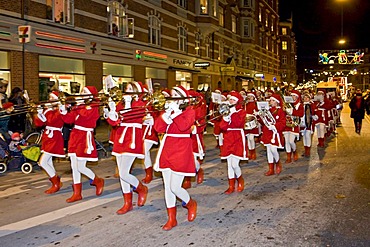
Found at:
<point>183,69</point>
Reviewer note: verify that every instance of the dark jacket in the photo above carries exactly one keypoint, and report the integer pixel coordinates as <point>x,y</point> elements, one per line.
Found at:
<point>357,112</point>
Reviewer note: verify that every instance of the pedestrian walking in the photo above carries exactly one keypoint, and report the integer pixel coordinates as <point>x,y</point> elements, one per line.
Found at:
<point>358,108</point>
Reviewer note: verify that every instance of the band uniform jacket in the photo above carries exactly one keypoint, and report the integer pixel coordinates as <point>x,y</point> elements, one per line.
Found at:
<point>81,140</point>
<point>250,108</point>
<point>298,111</point>
<point>128,136</point>
<point>200,110</point>
<point>269,137</point>
<point>175,151</point>
<point>234,143</point>
<point>52,141</point>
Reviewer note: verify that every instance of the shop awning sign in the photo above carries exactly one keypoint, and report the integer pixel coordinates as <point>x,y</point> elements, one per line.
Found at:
<point>201,64</point>
<point>24,33</point>
<point>227,69</point>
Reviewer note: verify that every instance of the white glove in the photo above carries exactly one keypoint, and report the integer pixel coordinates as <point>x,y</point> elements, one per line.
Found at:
<point>63,109</point>
<point>315,117</point>
<point>112,115</point>
<point>40,110</point>
<point>174,106</point>
<point>289,111</point>
<point>106,112</point>
<point>272,128</point>
<point>226,118</point>
<point>127,99</point>
<point>232,109</point>
<point>112,106</point>
<point>148,120</point>
<point>210,112</point>
<point>166,116</point>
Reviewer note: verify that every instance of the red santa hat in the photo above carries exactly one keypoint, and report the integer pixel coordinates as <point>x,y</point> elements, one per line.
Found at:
<point>218,91</point>
<point>145,88</point>
<point>7,105</point>
<point>321,91</point>
<point>269,91</point>
<point>193,93</point>
<point>235,96</point>
<point>277,98</point>
<point>252,94</point>
<point>90,90</point>
<point>296,93</point>
<point>181,91</point>
<point>166,93</point>
<point>54,95</point>
<point>16,136</point>
<point>137,86</point>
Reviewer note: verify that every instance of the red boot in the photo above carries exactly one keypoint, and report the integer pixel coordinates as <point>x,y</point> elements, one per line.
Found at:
<point>271,170</point>
<point>56,185</point>
<point>148,175</point>
<point>240,184</point>
<point>127,204</point>
<point>192,209</point>
<point>142,191</point>
<point>307,151</point>
<point>187,183</point>
<point>77,189</point>
<point>231,188</point>
<point>321,143</point>
<point>200,176</point>
<point>99,184</point>
<point>295,155</point>
<point>278,167</point>
<point>172,222</point>
<point>288,158</point>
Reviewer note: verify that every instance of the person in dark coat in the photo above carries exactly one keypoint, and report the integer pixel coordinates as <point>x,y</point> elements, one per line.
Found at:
<point>17,122</point>
<point>358,107</point>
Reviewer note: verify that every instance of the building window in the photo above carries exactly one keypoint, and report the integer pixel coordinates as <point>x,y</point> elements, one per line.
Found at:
<point>283,31</point>
<point>284,59</point>
<point>272,24</point>
<point>182,39</point>
<point>221,51</point>
<point>207,47</point>
<point>267,20</point>
<point>117,19</point>
<point>154,34</point>
<point>221,18</point>
<point>284,45</point>
<point>248,3</point>
<point>272,46</point>
<point>292,47</point>
<point>248,28</point>
<point>60,11</point>
<point>267,43</point>
<point>203,7</point>
<point>208,7</point>
<point>197,44</point>
<point>182,3</point>
<point>233,23</point>
<point>260,14</point>
<point>292,62</point>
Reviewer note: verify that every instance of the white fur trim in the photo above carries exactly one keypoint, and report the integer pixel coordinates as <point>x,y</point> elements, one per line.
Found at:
<point>234,98</point>
<point>275,99</point>
<point>181,91</point>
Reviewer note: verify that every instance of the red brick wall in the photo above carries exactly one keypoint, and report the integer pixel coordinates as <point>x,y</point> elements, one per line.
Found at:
<point>94,73</point>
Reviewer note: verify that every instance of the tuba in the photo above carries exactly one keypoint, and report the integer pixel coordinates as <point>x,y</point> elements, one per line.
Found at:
<point>291,121</point>
<point>265,114</point>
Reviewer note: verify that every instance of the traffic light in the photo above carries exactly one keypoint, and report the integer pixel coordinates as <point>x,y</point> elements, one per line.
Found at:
<point>138,54</point>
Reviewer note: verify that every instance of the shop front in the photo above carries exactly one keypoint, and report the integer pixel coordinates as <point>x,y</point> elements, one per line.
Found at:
<point>64,74</point>
<point>5,69</point>
<point>183,69</point>
<point>157,76</point>
<point>120,75</point>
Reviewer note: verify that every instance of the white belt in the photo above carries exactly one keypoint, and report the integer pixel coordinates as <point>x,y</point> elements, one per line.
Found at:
<point>89,131</point>
<point>129,125</point>
<point>178,135</point>
<point>49,130</point>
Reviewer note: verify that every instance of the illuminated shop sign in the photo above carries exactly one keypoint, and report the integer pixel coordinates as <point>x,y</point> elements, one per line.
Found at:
<point>156,57</point>
<point>201,64</point>
<point>181,62</point>
<point>353,56</point>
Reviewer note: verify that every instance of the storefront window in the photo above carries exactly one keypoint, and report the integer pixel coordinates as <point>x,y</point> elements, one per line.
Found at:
<point>63,74</point>
<point>121,74</point>
<point>157,76</point>
<point>5,69</point>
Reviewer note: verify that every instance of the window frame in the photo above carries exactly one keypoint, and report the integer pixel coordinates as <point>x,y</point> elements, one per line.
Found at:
<point>69,4</point>
<point>154,28</point>
<point>182,39</point>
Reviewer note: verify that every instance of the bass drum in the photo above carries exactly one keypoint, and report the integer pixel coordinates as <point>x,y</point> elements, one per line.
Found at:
<point>250,122</point>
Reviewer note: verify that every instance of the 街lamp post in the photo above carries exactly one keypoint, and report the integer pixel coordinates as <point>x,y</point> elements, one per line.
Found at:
<point>342,41</point>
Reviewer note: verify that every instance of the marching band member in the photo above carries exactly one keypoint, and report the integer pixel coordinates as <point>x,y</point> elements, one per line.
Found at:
<point>307,125</point>
<point>200,109</point>
<point>234,146</point>
<point>291,133</point>
<point>322,106</point>
<point>252,133</point>
<point>52,143</point>
<point>272,136</point>
<point>215,116</point>
<point>81,145</point>
<point>175,155</point>
<point>128,142</point>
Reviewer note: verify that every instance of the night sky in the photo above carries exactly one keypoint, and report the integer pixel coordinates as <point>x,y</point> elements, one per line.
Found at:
<point>317,25</point>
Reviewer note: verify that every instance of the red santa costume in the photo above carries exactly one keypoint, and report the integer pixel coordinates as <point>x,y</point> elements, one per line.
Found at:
<point>175,155</point>
<point>252,128</point>
<point>291,132</point>
<point>200,109</point>
<point>272,136</point>
<point>81,144</point>
<point>214,115</point>
<point>234,146</point>
<point>307,126</point>
<point>320,116</point>
<point>128,142</point>
<point>52,142</point>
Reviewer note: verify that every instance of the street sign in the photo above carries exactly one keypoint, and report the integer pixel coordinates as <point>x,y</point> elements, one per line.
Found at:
<point>24,33</point>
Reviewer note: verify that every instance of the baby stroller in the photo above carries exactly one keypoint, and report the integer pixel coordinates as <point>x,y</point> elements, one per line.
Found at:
<point>23,160</point>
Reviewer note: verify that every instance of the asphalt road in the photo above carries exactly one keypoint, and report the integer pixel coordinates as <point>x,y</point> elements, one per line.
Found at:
<point>323,200</point>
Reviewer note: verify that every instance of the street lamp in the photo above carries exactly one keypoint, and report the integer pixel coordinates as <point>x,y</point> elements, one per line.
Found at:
<point>342,41</point>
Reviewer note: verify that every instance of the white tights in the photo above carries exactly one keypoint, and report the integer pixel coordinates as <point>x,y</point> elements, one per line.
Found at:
<point>272,154</point>
<point>124,163</point>
<point>251,142</point>
<point>321,130</point>
<point>147,158</point>
<point>197,164</point>
<point>233,168</point>
<point>290,142</point>
<point>78,168</point>
<point>173,188</point>
<point>46,162</point>
<point>307,138</point>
